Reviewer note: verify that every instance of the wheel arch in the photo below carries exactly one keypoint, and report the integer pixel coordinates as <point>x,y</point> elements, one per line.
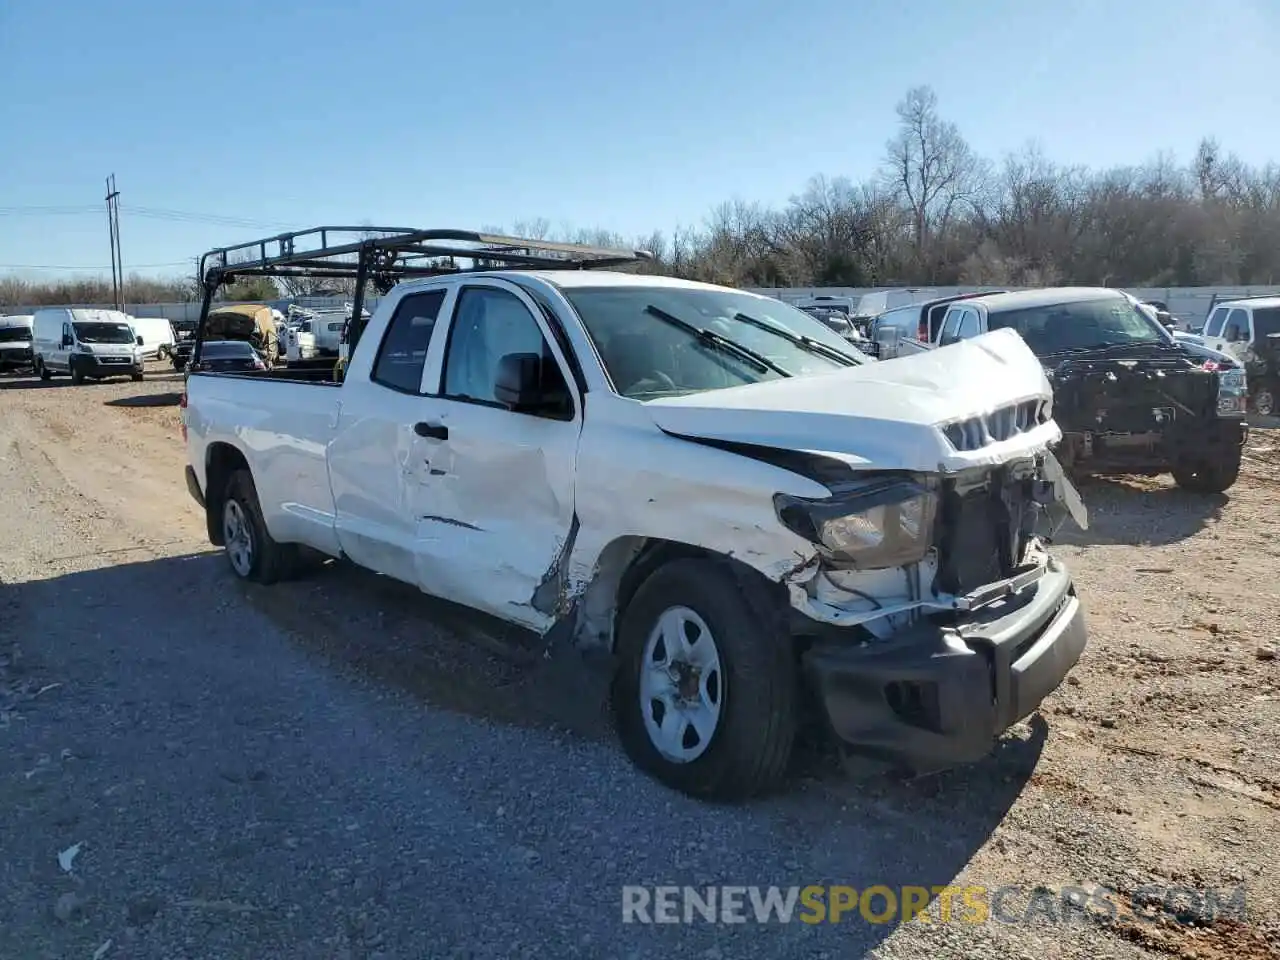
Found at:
<point>221,460</point>
<point>627,561</point>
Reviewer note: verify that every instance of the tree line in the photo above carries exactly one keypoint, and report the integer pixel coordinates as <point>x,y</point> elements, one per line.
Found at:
<point>935,213</point>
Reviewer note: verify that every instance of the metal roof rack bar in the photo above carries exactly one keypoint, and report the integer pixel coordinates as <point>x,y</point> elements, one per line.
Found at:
<point>336,250</point>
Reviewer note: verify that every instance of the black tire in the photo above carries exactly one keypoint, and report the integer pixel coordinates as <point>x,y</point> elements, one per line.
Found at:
<point>136,377</point>
<point>1263,402</point>
<point>162,352</point>
<point>751,744</point>
<point>77,373</point>
<point>43,372</point>
<point>269,561</point>
<point>179,365</point>
<point>1216,475</point>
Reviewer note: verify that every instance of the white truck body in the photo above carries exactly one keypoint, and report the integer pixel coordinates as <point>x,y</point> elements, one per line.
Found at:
<point>537,519</point>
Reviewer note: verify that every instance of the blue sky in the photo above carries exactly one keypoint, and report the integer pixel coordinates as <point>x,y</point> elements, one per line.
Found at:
<point>631,117</point>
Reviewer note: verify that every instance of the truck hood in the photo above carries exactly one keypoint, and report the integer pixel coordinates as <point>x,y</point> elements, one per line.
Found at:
<point>889,414</point>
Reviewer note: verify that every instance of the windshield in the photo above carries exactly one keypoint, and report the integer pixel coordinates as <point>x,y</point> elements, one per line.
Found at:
<point>104,333</point>
<point>1265,323</point>
<point>14,334</point>
<point>648,357</point>
<point>1057,327</point>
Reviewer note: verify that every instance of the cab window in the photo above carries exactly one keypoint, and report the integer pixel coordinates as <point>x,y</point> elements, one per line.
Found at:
<point>1214,326</point>
<point>1237,328</point>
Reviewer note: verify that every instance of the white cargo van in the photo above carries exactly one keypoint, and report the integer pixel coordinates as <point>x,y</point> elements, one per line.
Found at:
<point>87,344</point>
<point>157,336</point>
<point>15,341</point>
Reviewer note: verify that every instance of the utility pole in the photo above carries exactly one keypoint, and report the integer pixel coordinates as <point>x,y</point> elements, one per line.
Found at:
<point>113,225</point>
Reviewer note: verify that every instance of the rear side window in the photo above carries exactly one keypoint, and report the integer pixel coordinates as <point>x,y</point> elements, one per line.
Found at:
<point>402,355</point>
<point>1214,326</point>
<point>1266,323</point>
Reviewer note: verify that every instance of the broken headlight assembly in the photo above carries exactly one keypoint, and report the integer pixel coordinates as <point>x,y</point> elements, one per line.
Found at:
<point>877,524</point>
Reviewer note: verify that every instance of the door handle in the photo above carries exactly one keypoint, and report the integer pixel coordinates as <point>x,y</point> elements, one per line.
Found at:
<point>435,431</point>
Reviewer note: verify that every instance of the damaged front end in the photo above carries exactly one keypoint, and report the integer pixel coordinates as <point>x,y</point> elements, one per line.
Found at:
<point>932,617</point>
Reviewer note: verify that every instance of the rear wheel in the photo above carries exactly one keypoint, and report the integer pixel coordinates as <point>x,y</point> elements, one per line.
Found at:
<point>251,552</point>
<point>1213,475</point>
<point>705,694</point>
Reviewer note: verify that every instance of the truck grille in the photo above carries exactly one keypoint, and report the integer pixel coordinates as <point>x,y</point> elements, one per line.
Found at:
<point>983,531</point>
<point>1002,423</point>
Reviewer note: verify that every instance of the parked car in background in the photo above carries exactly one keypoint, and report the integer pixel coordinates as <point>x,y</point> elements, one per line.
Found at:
<point>254,323</point>
<point>228,356</point>
<point>157,336</point>
<point>86,344</point>
<point>1249,330</point>
<point>184,332</point>
<point>15,341</point>
<point>915,321</point>
<point>1129,396</point>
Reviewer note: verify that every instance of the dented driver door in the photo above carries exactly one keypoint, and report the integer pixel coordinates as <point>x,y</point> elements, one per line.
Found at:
<point>494,509</point>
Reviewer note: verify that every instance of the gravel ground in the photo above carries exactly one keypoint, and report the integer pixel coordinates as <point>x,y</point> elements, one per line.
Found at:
<point>340,767</point>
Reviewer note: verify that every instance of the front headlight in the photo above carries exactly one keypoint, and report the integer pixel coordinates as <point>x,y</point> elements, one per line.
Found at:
<point>84,348</point>
<point>1233,389</point>
<point>878,524</point>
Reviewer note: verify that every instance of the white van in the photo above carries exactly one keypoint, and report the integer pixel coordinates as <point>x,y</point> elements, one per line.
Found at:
<point>157,336</point>
<point>15,341</point>
<point>88,344</point>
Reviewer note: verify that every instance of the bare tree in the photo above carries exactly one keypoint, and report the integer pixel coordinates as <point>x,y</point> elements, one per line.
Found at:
<point>931,167</point>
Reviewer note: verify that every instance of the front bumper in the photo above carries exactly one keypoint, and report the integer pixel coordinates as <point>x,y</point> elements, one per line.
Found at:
<point>15,356</point>
<point>934,696</point>
<point>1212,437</point>
<point>93,366</point>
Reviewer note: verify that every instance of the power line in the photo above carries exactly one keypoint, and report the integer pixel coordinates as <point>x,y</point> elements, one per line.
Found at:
<point>100,266</point>
<point>153,213</point>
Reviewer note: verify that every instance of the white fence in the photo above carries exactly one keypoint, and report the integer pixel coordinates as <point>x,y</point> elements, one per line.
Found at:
<point>1189,304</point>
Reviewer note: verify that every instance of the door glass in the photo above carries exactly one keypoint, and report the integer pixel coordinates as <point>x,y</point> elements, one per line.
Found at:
<point>968,325</point>
<point>402,355</point>
<point>950,328</point>
<point>489,324</point>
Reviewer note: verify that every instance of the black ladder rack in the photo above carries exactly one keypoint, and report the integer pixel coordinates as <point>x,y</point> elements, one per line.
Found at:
<point>386,255</point>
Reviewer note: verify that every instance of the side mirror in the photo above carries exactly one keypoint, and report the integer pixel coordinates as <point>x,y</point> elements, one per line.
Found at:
<point>67,340</point>
<point>138,341</point>
<point>518,383</point>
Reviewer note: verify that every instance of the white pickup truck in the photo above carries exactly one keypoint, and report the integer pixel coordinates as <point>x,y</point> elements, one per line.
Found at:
<point>730,498</point>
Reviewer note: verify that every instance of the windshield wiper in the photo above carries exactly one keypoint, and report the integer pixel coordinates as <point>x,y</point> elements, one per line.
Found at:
<point>758,361</point>
<point>799,340</point>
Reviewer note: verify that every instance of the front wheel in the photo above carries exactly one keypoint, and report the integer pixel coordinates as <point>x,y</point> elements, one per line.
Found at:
<point>704,697</point>
<point>163,352</point>
<point>77,374</point>
<point>136,377</point>
<point>42,371</point>
<point>1213,475</point>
